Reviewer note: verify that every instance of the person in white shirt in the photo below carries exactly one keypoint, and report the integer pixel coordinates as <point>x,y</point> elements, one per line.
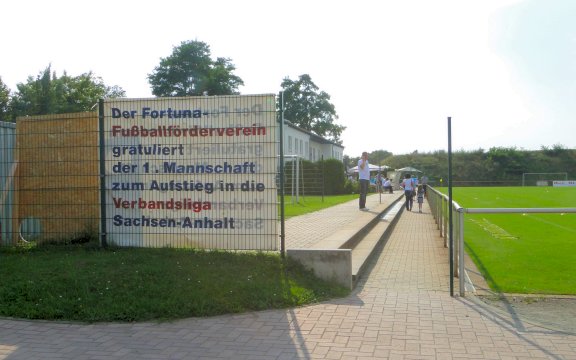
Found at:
<point>387,185</point>
<point>364,179</point>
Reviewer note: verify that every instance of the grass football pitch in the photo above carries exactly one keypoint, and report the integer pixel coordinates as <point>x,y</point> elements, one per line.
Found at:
<point>529,253</point>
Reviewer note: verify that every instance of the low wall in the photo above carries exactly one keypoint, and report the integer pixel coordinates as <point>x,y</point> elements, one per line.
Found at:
<point>328,264</point>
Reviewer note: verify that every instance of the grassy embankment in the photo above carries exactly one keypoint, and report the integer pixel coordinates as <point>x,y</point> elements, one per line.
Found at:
<point>90,284</point>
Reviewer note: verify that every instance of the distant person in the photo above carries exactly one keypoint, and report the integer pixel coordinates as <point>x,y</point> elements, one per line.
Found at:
<point>408,185</point>
<point>424,181</point>
<point>420,197</point>
<point>387,185</point>
<point>364,179</point>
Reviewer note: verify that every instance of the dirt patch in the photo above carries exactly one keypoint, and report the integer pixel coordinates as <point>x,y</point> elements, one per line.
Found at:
<point>550,312</point>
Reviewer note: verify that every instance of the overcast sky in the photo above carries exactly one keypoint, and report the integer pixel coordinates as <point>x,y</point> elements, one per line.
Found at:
<point>504,70</point>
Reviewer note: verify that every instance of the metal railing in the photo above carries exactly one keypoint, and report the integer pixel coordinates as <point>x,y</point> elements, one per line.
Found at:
<point>440,207</point>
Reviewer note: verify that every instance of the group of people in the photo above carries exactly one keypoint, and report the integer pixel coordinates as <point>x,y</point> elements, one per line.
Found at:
<point>384,184</point>
<point>412,189</point>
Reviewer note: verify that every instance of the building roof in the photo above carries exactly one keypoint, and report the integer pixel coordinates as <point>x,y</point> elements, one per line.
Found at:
<point>315,137</point>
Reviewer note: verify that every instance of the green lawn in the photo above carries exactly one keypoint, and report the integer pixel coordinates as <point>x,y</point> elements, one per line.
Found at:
<point>90,284</point>
<point>309,204</point>
<point>528,253</point>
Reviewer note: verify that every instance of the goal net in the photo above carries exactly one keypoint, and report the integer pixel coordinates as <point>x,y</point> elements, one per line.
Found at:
<point>542,179</point>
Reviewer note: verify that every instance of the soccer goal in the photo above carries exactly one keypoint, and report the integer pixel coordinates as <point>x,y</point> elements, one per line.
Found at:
<point>542,179</point>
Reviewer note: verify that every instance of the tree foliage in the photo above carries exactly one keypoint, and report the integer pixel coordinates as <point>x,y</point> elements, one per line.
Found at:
<point>497,166</point>
<point>323,177</point>
<point>50,94</point>
<point>4,101</point>
<point>190,71</point>
<point>334,176</point>
<point>310,109</point>
<point>376,157</point>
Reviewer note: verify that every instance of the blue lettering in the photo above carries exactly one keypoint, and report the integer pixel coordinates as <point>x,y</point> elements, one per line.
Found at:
<point>117,113</point>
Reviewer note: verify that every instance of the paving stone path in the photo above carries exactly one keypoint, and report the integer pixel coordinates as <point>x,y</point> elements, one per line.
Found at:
<point>401,309</point>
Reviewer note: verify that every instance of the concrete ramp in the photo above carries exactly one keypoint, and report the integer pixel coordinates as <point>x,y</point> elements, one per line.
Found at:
<point>341,253</point>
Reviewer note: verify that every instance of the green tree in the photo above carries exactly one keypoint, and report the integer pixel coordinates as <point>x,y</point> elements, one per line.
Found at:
<point>334,176</point>
<point>50,94</point>
<point>555,150</point>
<point>33,97</point>
<point>80,93</point>
<point>4,101</point>
<point>508,161</point>
<point>377,157</point>
<point>310,109</point>
<point>190,71</point>
<point>497,167</point>
<point>347,161</point>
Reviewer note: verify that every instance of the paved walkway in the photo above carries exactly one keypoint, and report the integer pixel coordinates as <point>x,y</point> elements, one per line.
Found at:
<point>401,310</point>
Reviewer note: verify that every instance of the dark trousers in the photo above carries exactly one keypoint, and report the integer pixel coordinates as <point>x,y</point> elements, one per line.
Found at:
<point>409,194</point>
<point>363,191</point>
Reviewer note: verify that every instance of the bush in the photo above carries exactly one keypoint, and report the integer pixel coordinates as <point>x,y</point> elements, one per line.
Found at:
<point>324,177</point>
<point>334,177</point>
<point>350,187</point>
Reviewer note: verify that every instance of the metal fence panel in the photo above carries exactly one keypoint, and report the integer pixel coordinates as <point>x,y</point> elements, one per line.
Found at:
<point>7,173</point>
<point>191,172</point>
<point>57,178</point>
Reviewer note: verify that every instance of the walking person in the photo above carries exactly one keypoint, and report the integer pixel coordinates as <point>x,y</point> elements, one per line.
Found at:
<point>424,181</point>
<point>414,186</point>
<point>408,185</point>
<point>420,197</point>
<point>364,179</point>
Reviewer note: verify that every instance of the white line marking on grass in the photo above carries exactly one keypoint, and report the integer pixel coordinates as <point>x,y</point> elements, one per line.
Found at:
<point>535,217</point>
<point>496,231</point>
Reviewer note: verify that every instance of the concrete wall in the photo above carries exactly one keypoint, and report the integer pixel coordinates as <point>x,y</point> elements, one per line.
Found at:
<point>328,264</point>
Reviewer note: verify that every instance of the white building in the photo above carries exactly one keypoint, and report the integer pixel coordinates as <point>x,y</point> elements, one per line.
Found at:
<point>309,146</point>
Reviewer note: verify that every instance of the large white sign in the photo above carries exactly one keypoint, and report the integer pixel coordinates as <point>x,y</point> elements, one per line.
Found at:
<point>192,172</point>
<point>564,183</point>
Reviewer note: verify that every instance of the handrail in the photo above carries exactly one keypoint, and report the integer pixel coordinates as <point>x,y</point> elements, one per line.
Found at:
<point>518,210</point>
<point>439,206</point>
